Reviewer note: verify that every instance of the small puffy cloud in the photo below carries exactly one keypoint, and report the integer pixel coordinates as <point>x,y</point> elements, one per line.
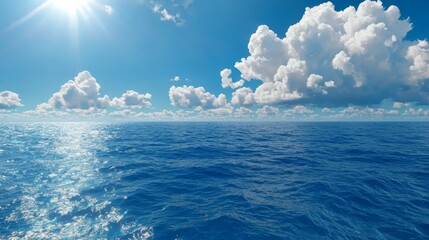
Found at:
<point>80,93</point>
<point>108,9</point>
<point>9,100</point>
<point>330,84</point>
<point>267,111</point>
<point>132,99</point>
<point>401,105</point>
<point>175,79</point>
<point>314,80</point>
<point>195,97</point>
<point>357,56</point>
<point>227,80</point>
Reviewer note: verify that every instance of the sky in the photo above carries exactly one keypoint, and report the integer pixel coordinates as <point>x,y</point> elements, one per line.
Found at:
<point>224,59</point>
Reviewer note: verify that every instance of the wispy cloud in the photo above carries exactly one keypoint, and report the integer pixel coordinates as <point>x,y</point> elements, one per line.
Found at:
<point>182,3</point>
<point>165,15</point>
<point>187,3</point>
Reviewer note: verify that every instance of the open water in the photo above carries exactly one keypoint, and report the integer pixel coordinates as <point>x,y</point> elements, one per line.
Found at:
<point>220,180</point>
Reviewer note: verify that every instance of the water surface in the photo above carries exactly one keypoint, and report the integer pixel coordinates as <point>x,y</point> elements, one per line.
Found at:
<point>214,181</point>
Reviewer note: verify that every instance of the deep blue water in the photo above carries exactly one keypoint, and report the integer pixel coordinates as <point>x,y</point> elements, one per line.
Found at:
<point>214,181</point>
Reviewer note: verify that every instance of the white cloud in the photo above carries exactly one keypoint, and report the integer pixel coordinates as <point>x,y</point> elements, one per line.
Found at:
<point>227,80</point>
<point>416,112</point>
<point>166,16</point>
<point>175,79</point>
<point>142,116</point>
<point>299,109</point>
<point>90,112</point>
<point>330,84</point>
<point>365,112</point>
<point>164,114</point>
<point>108,9</point>
<point>243,96</point>
<point>314,80</point>
<point>267,111</point>
<point>82,96</point>
<point>9,100</point>
<point>122,113</point>
<point>80,93</point>
<point>418,55</point>
<point>242,112</point>
<point>132,99</point>
<point>401,105</point>
<point>192,97</point>
<point>268,52</point>
<point>334,58</point>
<point>224,111</point>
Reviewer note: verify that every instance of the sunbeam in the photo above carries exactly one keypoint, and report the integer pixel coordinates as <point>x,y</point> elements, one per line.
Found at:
<point>75,11</point>
<point>29,16</point>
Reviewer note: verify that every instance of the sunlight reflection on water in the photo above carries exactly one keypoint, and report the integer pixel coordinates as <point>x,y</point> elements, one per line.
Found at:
<point>55,205</point>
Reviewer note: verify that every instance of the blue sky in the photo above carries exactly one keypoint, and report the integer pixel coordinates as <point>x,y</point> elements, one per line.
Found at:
<point>136,48</point>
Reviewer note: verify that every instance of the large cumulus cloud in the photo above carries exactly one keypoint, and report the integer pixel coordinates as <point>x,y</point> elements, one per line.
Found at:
<point>9,100</point>
<point>80,93</point>
<point>331,58</point>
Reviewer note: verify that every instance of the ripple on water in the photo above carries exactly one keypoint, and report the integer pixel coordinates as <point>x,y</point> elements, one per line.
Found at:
<point>214,181</point>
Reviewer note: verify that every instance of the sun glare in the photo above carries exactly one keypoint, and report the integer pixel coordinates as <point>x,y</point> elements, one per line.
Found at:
<point>70,6</point>
<point>73,10</point>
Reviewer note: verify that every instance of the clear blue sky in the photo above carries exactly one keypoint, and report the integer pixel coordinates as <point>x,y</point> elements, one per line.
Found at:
<point>126,45</point>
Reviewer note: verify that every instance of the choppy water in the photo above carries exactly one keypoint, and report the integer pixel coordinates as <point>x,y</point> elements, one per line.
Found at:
<point>214,181</point>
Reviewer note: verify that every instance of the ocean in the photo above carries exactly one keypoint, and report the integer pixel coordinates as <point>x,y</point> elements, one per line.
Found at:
<point>214,180</point>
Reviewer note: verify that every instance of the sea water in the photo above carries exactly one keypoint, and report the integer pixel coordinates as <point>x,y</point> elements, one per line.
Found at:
<point>214,180</point>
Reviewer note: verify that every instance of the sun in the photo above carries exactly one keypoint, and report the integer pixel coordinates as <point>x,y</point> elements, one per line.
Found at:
<point>70,6</point>
<point>74,10</point>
